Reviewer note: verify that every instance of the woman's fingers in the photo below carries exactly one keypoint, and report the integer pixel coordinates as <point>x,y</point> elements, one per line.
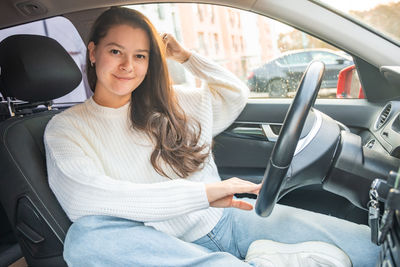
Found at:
<point>231,202</point>
<point>240,204</point>
<point>173,49</point>
<point>170,43</point>
<point>220,190</point>
<point>237,185</point>
<point>257,191</point>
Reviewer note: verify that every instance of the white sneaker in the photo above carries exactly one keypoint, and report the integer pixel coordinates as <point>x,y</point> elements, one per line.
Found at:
<point>266,253</point>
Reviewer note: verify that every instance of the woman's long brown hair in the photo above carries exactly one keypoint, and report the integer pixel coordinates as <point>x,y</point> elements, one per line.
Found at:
<point>154,108</point>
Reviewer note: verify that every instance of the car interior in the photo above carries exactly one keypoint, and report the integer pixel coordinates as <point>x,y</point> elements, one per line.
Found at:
<point>334,160</point>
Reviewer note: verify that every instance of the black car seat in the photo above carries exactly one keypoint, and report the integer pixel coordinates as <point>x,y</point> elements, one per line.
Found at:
<point>34,70</point>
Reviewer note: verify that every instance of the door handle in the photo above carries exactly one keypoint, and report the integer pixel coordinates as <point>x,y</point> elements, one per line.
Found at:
<point>259,131</point>
<point>268,133</point>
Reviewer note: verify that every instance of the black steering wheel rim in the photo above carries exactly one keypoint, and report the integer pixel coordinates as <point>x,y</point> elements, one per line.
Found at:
<point>285,146</point>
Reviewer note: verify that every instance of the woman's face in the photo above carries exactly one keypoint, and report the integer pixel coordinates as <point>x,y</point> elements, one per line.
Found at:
<point>122,60</point>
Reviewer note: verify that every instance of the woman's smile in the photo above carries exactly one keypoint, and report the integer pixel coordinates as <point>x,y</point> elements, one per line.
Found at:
<point>122,78</point>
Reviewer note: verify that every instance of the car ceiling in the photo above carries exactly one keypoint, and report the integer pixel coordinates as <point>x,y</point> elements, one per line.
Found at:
<point>301,14</point>
<point>11,13</point>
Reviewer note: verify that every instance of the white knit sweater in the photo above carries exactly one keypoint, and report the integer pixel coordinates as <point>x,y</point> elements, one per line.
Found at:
<point>98,165</point>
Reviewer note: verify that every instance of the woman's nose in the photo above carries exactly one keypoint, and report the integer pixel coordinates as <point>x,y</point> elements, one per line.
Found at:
<point>126,65</point>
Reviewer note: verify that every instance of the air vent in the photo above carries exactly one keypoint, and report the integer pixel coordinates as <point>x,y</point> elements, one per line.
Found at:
<point>383,116</point>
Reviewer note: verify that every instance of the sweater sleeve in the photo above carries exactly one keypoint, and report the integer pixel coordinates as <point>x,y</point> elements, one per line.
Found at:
<point>82,187</point>
<point>228,94</point>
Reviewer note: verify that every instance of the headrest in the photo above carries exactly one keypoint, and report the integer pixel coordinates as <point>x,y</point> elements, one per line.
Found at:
<point>36,68</point>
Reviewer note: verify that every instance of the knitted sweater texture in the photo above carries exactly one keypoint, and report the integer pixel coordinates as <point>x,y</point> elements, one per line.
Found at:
<point>98,165</point>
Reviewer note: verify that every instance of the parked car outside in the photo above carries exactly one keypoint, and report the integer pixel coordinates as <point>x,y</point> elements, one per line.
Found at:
<point>282,75</point>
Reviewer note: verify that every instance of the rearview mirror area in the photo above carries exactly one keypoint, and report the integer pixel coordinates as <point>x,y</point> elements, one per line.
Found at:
<point>349,85</point>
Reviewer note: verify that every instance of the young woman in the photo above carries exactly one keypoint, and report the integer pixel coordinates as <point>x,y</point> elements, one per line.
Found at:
<point>132,166</point>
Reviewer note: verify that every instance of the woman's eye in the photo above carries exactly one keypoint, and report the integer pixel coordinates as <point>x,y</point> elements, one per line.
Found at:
<point>115,52</point>
<point>141,56</point>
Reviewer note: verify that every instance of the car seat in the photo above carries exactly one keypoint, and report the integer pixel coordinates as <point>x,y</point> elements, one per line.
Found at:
<point>34,70</point>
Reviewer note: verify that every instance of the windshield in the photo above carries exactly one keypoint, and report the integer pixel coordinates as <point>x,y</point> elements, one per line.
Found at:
<point>380,15</point>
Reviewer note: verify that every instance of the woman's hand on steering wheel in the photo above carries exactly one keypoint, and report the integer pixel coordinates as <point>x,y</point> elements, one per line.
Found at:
<point>221,194</point>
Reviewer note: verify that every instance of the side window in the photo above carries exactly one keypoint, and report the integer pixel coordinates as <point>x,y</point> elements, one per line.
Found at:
<point>328,57</point>
<point>62,30</point>
<point>267,55</point>
<point>301,58</point>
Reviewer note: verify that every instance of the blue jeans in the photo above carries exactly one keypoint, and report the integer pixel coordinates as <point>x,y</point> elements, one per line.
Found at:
<point>109,241</point>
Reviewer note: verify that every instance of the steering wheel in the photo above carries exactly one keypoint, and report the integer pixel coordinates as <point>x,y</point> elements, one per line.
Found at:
<point>285,146</point>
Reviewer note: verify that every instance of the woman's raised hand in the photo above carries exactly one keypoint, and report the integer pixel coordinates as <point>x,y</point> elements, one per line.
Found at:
<point>221,194</point>
<point>173,49</point>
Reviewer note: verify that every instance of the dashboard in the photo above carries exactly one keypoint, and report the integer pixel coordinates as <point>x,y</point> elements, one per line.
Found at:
<point>386,130</point>
<point>386,127</point>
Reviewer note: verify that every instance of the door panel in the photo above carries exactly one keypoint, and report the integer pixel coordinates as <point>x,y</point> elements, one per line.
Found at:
<point>247,150</point>
<point>241,157</point>
<point>243,150</point>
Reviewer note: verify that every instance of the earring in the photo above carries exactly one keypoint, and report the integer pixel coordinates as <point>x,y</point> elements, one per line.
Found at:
<point>91,63</point>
